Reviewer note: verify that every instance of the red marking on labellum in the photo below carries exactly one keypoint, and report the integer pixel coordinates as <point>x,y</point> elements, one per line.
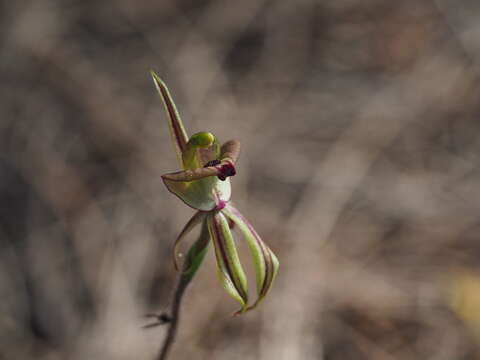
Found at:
<point>226,170</point>
<point>212,163</point>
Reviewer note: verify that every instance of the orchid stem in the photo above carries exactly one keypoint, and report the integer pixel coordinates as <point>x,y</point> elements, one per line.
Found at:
<point>174,317</point>
<point>193,261</point>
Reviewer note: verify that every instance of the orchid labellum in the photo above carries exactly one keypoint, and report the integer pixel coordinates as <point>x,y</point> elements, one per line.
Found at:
<point>204,184</point>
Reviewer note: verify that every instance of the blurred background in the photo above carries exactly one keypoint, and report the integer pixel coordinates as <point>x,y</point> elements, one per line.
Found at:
<point>360,168</point>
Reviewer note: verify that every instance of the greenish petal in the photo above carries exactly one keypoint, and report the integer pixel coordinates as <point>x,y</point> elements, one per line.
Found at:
<point>230,150</point>
<point>177,131</point>
<point>204,194</point>
<point>230,271</point>
<point>196,254</point>
<point>194,221</point>
<point>265,261</point>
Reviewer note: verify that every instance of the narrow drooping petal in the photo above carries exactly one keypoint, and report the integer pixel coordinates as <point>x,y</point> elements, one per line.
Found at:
<point>196,253</point>
<point>230,150</point>
<point>177,131</point>
<point>266,263</point>
<point>194,221</point>
<point>230,270</point>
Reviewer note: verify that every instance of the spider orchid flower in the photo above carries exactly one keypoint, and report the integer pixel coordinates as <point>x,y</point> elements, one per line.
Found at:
<point>204,184</point>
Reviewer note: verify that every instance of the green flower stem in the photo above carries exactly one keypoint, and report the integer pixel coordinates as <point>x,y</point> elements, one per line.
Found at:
<point>194,259</point>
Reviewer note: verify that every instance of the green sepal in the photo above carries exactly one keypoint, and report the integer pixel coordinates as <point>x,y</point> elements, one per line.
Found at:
<point>265,262</point>
<point>229,269</point>
<point>189,226</point>
<point>177,130</point>
<point>196,254</point>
